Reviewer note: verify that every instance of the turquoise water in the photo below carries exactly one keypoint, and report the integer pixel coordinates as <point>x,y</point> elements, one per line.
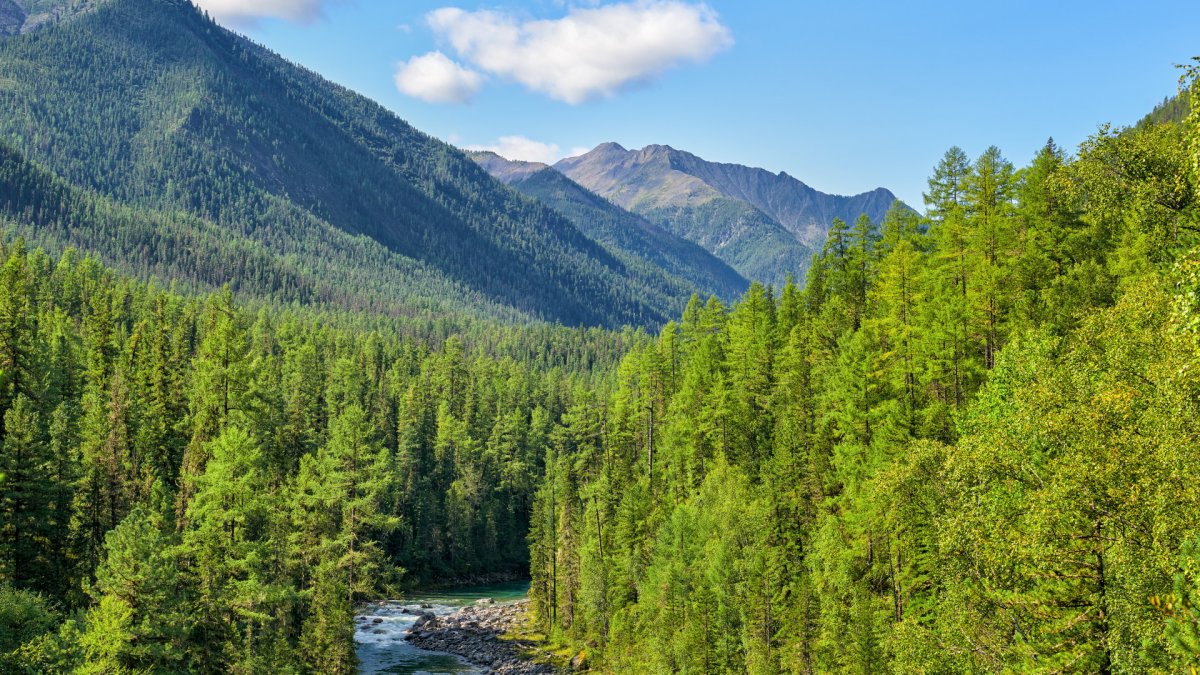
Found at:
<point>379,630</point>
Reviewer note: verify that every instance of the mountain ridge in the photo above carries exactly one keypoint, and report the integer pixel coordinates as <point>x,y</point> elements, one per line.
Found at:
<point>647,183</point>
<point>800,208</point>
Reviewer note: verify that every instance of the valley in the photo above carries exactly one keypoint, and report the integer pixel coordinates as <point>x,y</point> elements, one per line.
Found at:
<point>279,370</point>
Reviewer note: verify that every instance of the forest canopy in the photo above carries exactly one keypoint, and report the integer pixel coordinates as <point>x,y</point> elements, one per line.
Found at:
<point>967,444</point>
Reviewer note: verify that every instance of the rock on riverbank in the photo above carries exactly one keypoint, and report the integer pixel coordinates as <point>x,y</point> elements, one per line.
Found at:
<point>474,633</point>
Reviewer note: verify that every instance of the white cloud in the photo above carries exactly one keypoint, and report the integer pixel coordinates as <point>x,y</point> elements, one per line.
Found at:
<point>250,12</point>
<point>591,52</point>
<point>435,78</point>
<point>524,149</point>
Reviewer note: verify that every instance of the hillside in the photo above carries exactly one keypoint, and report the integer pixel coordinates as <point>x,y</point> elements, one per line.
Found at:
<point>151,105</point>
<point>1172,110</point>
<point>650,247</point>
<point>194,253</point>
<point>966,445</point>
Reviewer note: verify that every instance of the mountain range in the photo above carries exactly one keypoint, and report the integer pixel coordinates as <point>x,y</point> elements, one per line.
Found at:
<point>176,149</point>
<point>766,225</point>
<point>150,108</point>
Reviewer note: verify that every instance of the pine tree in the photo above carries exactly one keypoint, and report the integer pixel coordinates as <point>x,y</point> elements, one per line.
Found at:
<point>241,608</point>
<point>140,621</point>
<point>990,213</point>
<point>219,384</point>
<point>16,329</point>
<point>26,499</point>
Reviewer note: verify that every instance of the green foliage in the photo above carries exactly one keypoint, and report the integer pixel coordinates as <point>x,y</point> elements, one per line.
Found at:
<point>25,618</point>
<point>138,623</point>
<point>210,489</point>
<point>965,446</point>
<point>1182,608</point>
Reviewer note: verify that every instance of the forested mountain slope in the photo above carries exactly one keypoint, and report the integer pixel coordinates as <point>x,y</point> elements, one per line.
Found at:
<point>1173,109</point>
<point>152,105</point>
<point>187,485</point>
<point>966,443</point>
<point>652,247</point>
<point>193,253</point>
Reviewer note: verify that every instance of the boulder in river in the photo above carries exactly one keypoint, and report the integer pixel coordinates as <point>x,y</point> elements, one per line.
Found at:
<point>424,622</point>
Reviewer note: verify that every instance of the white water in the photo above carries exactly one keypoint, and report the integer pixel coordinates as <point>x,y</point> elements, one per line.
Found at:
<point>380,629</point>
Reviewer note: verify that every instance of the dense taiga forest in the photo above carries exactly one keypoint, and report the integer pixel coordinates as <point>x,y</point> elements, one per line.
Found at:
<point>194,486</point>
<point>967,444</point>
<point>238,401</point>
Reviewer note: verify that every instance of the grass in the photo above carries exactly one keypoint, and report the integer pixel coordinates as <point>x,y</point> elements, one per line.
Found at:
<point>538,647</point>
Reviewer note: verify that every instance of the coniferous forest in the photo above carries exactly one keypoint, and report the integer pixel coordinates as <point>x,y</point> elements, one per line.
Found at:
<point>967,444</point>
<point>231,414</point>
<point>193,486</point>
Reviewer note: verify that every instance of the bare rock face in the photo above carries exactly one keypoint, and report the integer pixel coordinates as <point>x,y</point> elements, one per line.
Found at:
<point>475,633</point>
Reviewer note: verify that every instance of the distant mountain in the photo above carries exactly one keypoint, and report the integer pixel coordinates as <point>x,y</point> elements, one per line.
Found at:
<point>766,225</point>
<point>624,233</point>
<point>149,109</point>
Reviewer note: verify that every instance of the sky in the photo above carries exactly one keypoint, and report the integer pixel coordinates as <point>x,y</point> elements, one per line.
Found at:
<point>846,96</point>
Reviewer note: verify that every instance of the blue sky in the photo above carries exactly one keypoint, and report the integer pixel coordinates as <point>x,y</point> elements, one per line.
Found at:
<point>846,96</point>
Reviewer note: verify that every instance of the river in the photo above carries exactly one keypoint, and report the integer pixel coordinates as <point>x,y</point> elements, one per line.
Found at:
<point>379,630</point>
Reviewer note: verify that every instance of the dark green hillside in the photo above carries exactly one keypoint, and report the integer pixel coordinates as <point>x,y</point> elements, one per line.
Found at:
<point>740,234</point>
<point>195,253</point>
<point>151,104</point>
<point>22,16</point>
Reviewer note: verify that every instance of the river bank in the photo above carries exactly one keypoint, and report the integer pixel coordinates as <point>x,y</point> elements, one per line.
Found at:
<point>478,633</point>
<point>467,630</point>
